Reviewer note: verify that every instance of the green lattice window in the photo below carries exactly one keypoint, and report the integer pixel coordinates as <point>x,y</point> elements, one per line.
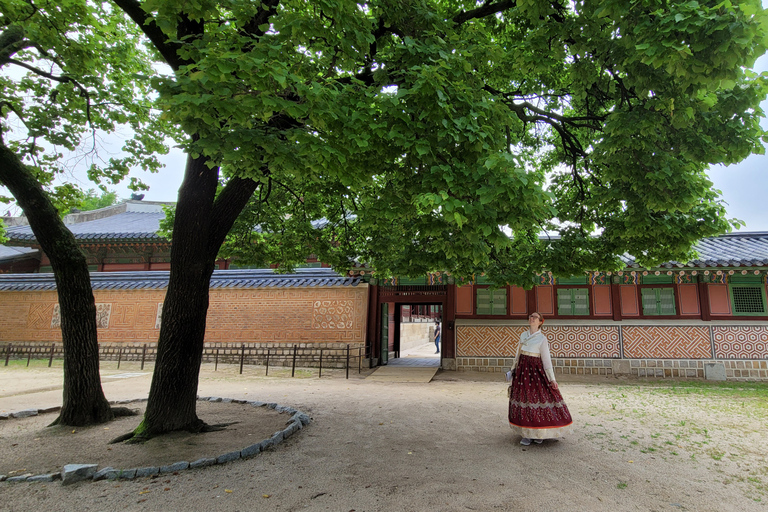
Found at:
<point>491,301</point>
<point>573,301</point>
<point>658,301</point>
<point>748,299</point>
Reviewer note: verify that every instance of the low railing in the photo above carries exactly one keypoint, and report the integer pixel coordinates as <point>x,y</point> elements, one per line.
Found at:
<point>345,358</point>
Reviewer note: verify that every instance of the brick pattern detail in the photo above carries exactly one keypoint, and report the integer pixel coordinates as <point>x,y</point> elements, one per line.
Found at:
<point>485,341</point>
<point>42,316</point>
<point>583,341</point>
<point>666,342</point>
<point>333,314</point>
<point>103,312</point>
<point>159,315</point>
<point>740,342</point>
<point>56,317</point>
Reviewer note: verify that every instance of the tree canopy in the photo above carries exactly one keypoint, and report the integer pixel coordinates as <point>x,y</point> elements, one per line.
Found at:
<point>74,72</point>
<point>71,70</point>
<point>455,132</point>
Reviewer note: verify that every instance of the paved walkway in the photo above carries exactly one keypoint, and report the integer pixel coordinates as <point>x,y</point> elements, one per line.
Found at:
<point>422,356</point>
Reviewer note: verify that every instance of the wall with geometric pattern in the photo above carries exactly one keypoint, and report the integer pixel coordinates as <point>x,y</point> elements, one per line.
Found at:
<point>609,342</point>
<point>738,342</point>
<point>242,315</point>
<point>666,342</point>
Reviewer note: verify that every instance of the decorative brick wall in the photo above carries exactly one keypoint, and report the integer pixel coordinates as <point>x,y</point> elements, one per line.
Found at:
<point>235,315</point>
<point>679,351</point>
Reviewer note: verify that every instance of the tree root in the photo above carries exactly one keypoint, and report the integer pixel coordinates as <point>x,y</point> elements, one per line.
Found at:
<point>142,435</point>
<point>120,412</point>
<point>120,439</point>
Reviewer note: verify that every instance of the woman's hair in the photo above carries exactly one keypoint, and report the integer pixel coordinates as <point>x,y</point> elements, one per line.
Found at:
<point>541,317</point>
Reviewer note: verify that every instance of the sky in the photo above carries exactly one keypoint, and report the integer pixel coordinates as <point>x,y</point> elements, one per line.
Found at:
<point>743,185</point>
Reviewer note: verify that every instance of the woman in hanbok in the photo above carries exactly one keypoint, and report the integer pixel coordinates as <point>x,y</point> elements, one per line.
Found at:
<point>537,410</point>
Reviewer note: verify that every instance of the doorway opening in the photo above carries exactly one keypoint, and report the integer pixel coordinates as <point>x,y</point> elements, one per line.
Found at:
<point>413,341</point>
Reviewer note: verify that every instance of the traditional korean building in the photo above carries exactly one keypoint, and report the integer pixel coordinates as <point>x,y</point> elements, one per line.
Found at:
<point>707,318</point>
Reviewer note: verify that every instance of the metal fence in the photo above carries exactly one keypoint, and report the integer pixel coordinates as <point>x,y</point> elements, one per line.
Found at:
<point>296,357</point>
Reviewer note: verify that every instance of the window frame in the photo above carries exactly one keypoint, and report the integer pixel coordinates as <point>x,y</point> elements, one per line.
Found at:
<point>590,298</point>
<point>760,286</point>
<point>507,304</point>
<point>675,298</point>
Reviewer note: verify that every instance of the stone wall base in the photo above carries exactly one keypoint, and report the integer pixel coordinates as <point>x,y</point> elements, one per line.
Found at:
<point>735,370</point>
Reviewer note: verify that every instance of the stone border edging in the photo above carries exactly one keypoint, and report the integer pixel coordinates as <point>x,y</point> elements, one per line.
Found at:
<point>72,473</point>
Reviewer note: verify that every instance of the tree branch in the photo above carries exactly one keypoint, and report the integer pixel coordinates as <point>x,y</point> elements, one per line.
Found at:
<point>228,205</point>
<point>168,49</point>
<point>483,11</point>
<point>268,9</point>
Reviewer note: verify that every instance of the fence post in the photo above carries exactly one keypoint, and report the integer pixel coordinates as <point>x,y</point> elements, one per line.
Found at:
<point>143,355</point>
<point>320,374</point>
<point>347,361</point>
<point>119,356</point>
<point>242,357</point>
<point>50,359</point>
<point>293,365</point>
<point>267,372</point>
<point>359,360</point>
<point>216,361</point>
<point>8,353</point>
<point>29,355</point>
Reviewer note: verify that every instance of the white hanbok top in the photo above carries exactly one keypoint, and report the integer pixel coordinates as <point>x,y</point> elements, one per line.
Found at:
<point>536,344</point>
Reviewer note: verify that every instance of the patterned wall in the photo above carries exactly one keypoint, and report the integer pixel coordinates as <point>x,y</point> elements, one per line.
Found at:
<point>483,340</point>
<point>583,341</point>
<point>740,342</point>
<point>605,342</point>
<point>666,342</point>
<point>572,341</point>
<point>311,315</point>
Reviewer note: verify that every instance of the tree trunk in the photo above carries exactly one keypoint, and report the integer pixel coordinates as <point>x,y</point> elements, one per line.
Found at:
<point>84,402</point>
<point>199,229</point>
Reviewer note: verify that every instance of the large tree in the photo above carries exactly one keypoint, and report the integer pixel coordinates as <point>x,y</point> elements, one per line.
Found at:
<point>443,134</point>
<point>69,74</point>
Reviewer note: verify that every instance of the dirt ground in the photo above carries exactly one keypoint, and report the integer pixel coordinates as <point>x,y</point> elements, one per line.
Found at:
<point>385,446</point>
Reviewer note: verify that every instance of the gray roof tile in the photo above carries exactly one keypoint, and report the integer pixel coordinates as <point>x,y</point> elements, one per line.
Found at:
<point>156,279</point>
<point>14,253</point>
<point>125,226</point>
<point>730,250</point>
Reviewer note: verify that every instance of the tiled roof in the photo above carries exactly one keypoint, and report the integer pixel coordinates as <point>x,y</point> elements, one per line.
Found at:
<point>14,253</point>
<point>128,226</point>
<point>155,279</point>
<point>730,250</point>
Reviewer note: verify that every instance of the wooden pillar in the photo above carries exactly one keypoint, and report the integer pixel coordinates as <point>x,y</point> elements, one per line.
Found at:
<point>372,341</point>
<point>530,296</point>
<point>616,301</point>
<point>448,336</point>
<point>703,290</point>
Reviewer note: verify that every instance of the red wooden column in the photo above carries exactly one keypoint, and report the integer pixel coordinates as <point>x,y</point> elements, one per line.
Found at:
<point>372,341</point>
<point>530,296</point>
<point>616,301</point>
<point>448,336</point>
<point>706,315</point>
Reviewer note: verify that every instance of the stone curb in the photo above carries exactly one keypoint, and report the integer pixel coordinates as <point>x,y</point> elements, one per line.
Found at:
<point>297,422</point>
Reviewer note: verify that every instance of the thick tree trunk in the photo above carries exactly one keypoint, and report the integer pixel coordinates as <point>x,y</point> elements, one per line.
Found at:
<point>199,229</point>
<point>84,402</point>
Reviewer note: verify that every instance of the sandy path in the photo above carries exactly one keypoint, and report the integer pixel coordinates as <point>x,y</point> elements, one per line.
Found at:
<point>445,446</point>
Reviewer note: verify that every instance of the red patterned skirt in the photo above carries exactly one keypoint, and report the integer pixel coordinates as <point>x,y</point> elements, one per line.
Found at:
<point>536,411</point>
